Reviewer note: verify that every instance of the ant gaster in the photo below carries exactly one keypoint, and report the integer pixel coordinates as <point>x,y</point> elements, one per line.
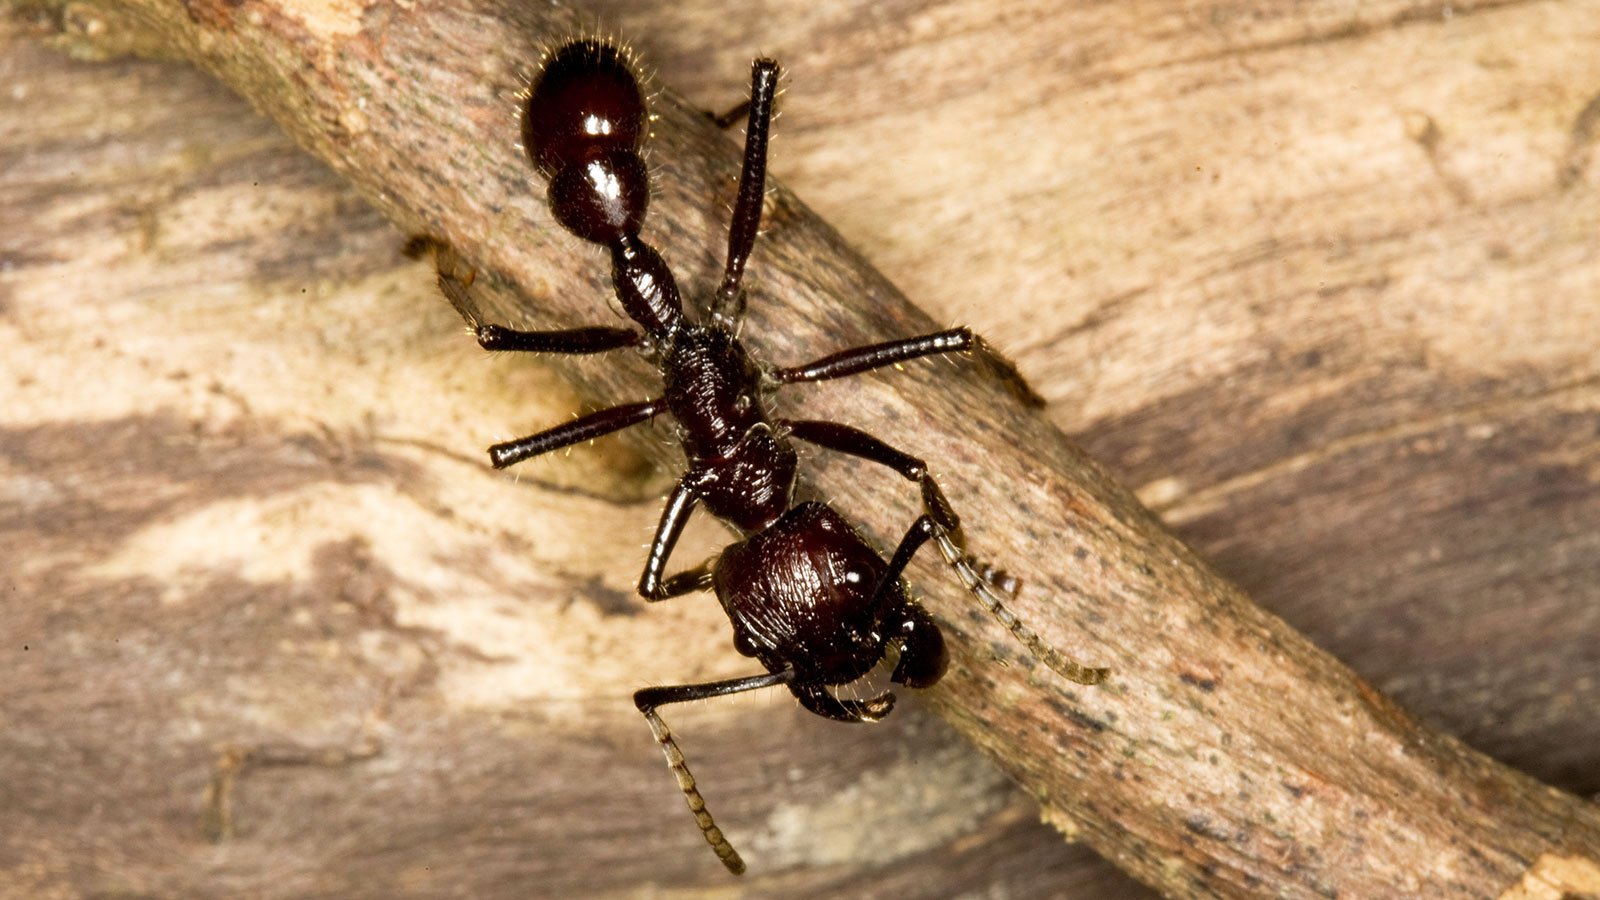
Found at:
<point>808,597</point>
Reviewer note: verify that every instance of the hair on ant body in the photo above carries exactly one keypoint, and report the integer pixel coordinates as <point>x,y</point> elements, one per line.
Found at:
<point>808,597</point>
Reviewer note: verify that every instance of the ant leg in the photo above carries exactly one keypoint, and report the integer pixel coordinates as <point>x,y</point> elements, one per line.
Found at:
<point>728,307</point>
<point>686,582</point>
<point>917,535</point>
<point>650,698</point>
<point>726,120</point>
<point>925,528</point>
<point>875,356</point>
<point>594,339</point>
<point>673,517</point>
<point>845,439</point>
<point>455,277</point>
<point>816,698</point>
<point>575,432</point>
<point>854,441</point>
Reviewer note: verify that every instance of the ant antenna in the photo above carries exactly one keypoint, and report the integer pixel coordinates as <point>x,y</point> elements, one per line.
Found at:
<point>697,804</point>
<point>994,576</point>
<point>979,585</point>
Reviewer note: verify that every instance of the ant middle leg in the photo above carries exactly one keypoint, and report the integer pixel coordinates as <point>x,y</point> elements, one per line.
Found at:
<point>649,699</point>
<point>875,356</point>
<point>577,431</point>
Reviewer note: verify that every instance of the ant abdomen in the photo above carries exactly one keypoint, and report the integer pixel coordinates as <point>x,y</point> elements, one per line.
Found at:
<point>583,127</point>
<point>586,103</point>
<point>603,198</point>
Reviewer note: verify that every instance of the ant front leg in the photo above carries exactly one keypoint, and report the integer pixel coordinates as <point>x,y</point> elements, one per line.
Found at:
<point>939,523</point>
<point>854,441</point>
<point>649,699</point>
<point>673,517</point>
<point>925,528</point>
<point>875,356</point>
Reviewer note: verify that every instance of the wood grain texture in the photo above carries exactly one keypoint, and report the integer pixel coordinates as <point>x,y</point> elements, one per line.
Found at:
<point>260,520</point>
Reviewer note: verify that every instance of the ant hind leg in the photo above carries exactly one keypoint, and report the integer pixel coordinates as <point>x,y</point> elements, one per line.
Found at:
<point>728,306</point>
<point>726,120</point>
<point>455,280</point>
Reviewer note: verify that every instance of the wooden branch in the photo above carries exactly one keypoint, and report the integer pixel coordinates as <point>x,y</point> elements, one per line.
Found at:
<point>1227,756</point>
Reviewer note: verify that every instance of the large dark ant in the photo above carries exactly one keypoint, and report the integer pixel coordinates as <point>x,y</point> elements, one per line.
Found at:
<point>808,597</point>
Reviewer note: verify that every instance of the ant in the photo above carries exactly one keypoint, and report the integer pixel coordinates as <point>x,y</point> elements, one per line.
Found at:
<point>808,597</point>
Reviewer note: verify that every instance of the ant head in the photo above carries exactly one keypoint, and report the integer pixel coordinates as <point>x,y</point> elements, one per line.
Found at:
<point>584,103</point>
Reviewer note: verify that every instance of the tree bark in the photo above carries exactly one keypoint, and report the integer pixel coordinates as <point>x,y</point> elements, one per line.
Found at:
<point>1227,756</point>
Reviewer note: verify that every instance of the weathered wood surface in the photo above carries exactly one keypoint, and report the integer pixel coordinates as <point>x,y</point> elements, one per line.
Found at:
<point>1324,289</point>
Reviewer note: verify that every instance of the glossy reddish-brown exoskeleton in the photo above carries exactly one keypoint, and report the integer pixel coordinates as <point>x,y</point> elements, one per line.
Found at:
<point>808,597</point>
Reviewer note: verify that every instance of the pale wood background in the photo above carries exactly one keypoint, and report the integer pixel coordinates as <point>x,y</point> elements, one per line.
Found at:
<point>1322,286</point>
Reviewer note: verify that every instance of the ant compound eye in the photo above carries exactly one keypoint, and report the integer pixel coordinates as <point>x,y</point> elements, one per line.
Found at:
<point>603,198</point>
<point>585,102</point>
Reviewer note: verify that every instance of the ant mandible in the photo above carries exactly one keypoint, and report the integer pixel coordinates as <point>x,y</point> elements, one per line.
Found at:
<point>808,597</point>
